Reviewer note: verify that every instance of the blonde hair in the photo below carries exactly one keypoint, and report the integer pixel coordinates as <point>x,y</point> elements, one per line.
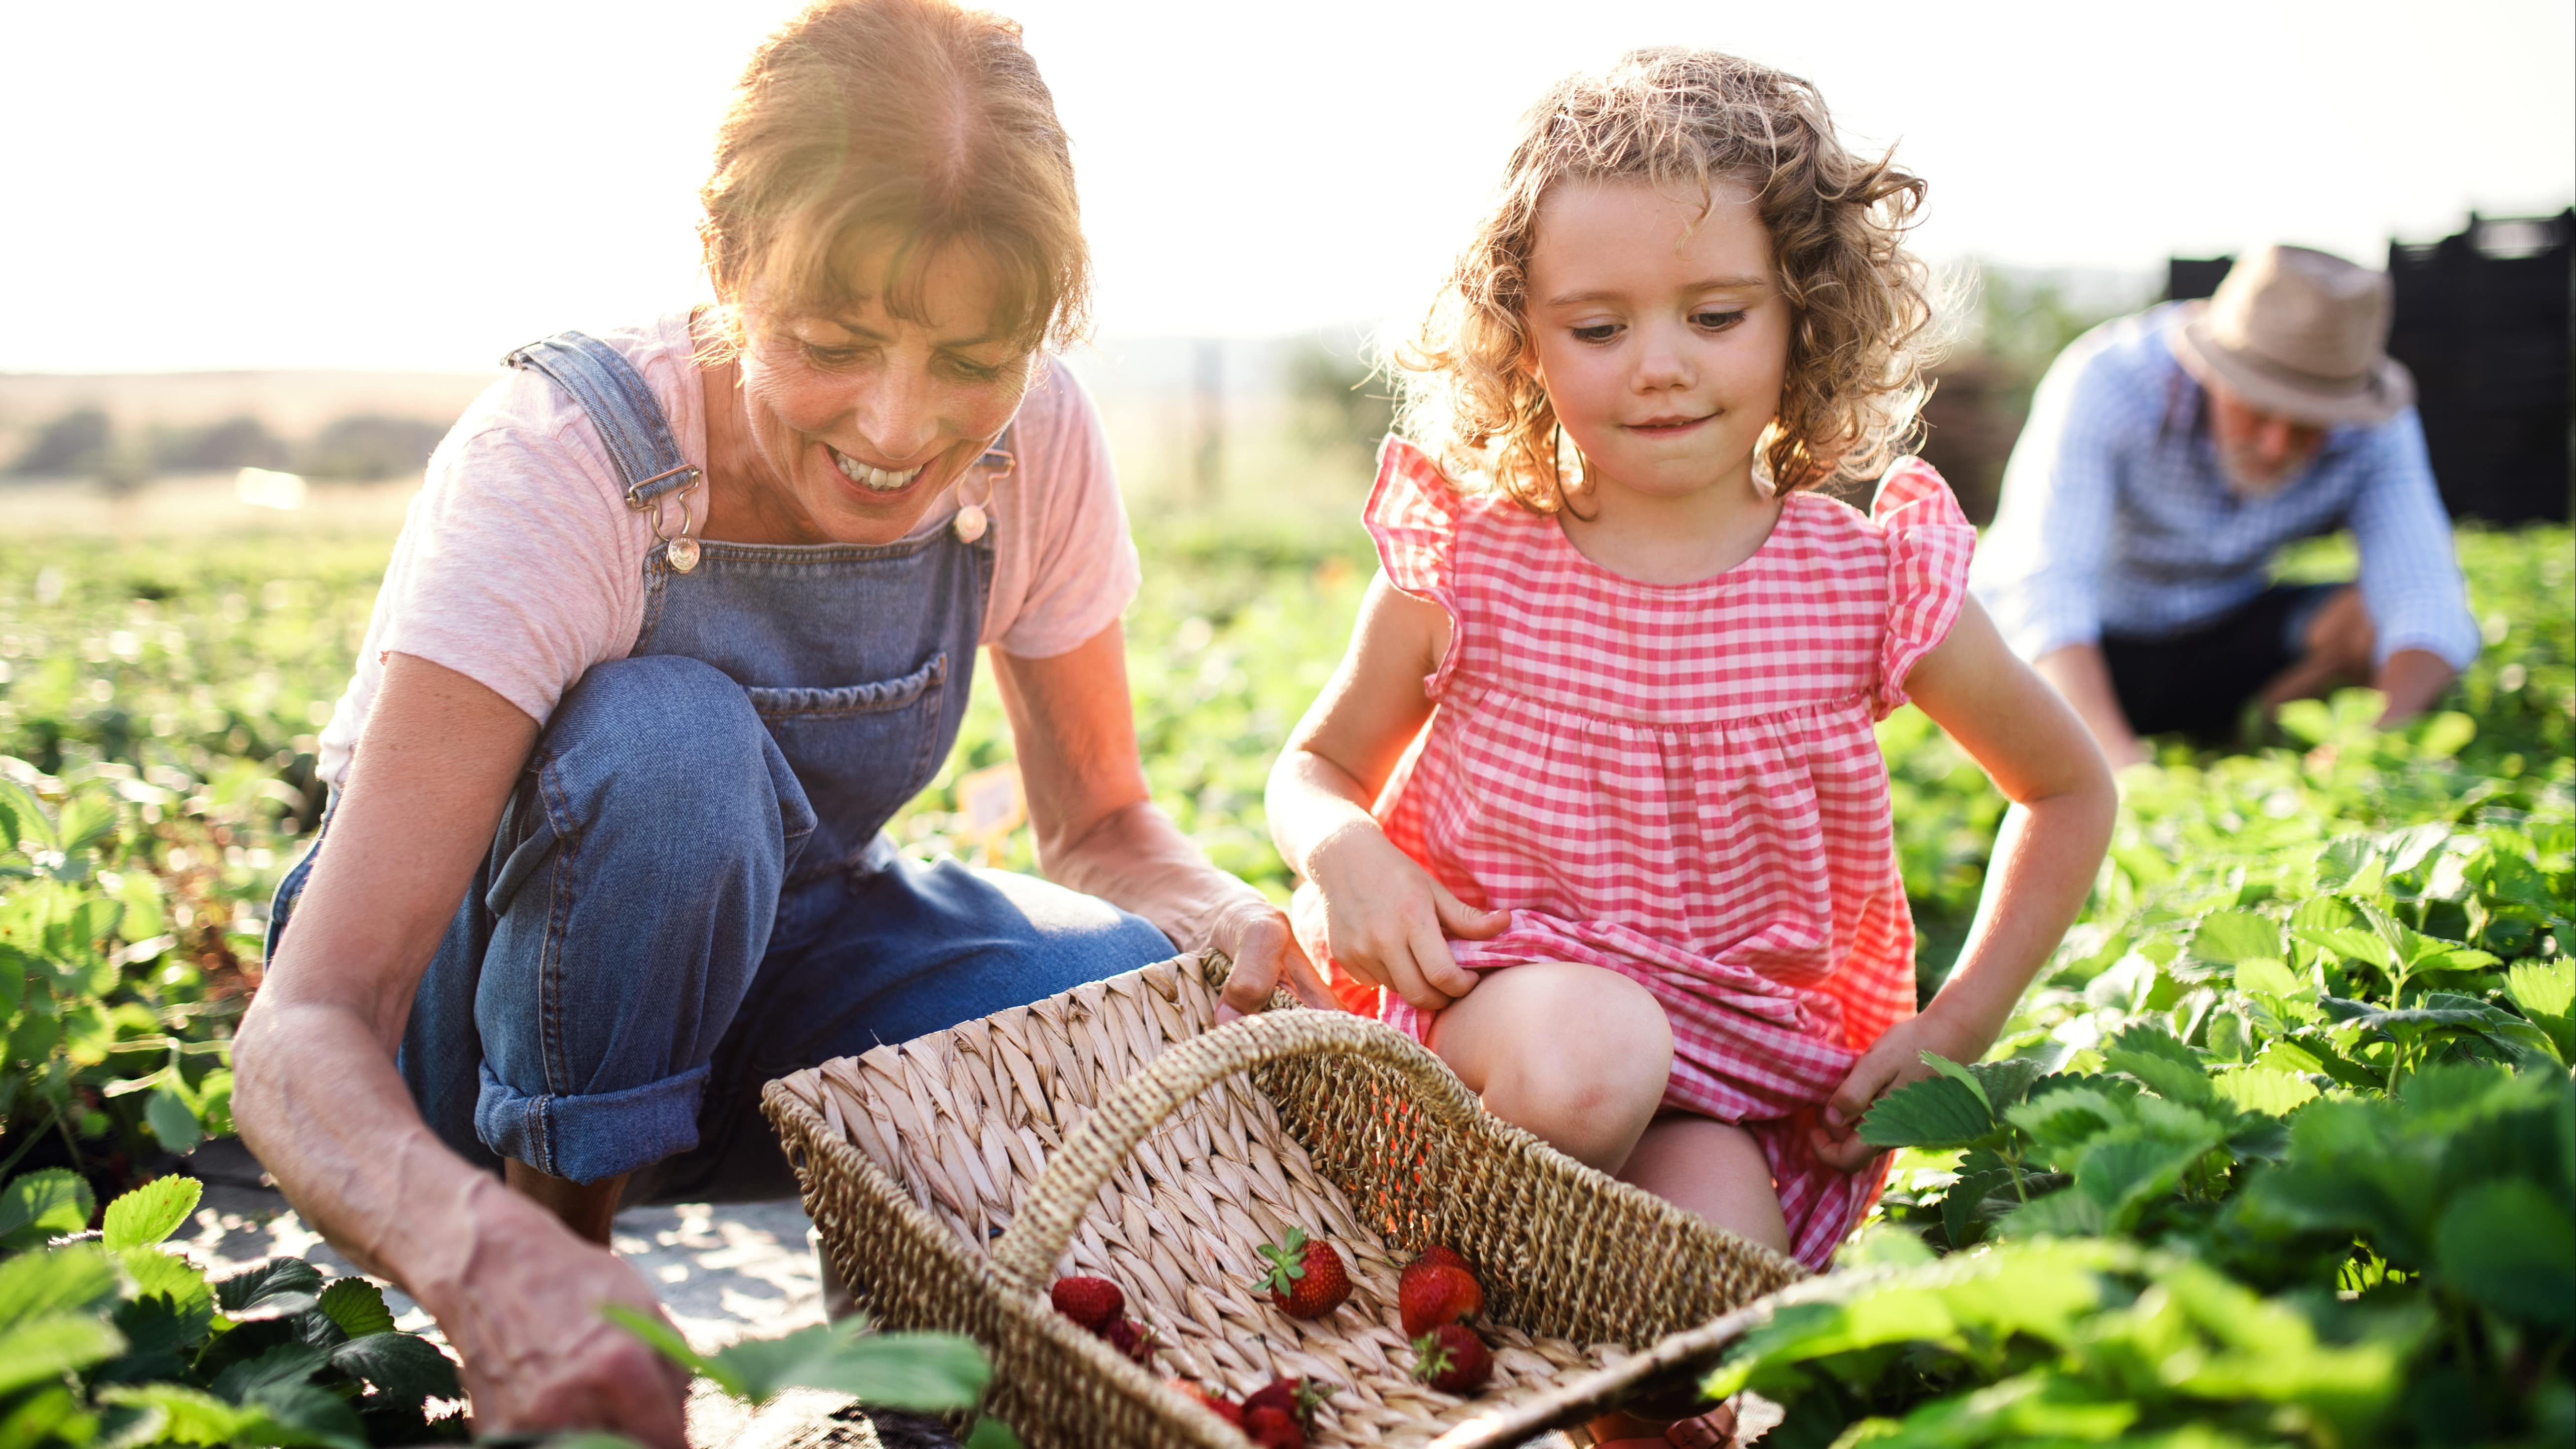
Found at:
<point>1677,117</point>
<point>893,131</point>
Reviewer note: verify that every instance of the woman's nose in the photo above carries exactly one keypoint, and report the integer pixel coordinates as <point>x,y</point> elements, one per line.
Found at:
<point>893,412</point>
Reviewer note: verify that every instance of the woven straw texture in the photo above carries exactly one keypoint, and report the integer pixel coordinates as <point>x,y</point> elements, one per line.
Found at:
<point>1111,1131</point>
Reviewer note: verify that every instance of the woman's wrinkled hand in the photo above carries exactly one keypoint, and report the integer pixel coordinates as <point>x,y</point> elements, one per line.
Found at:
<point>1894,1060</point>
<point>1389,923</point>
<point>524,1312</point>
<point>1254,935</point>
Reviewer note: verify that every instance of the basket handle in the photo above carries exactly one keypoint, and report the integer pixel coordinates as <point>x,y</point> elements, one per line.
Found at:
<point>1028,1250</point>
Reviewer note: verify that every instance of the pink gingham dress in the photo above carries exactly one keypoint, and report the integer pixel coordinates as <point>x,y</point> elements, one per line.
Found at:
<point>1680,783</point>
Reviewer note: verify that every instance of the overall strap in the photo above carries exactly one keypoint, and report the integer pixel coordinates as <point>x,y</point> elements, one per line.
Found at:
<point>621,406</point>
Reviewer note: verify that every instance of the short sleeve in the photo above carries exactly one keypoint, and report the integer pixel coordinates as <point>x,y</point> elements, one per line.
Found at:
<point>1067,567</point>
<point>1929,545</point>
<point>1412,515</point>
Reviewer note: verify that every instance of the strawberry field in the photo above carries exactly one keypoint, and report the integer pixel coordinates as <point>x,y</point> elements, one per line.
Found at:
<point>2281,1149</point>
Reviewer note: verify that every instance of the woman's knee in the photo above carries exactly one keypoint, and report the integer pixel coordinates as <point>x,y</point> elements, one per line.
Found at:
<point>676,742</point>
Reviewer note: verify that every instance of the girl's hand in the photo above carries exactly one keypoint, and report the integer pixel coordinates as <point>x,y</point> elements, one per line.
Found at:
<point>1388,922</point>
<point>1894,1060</point>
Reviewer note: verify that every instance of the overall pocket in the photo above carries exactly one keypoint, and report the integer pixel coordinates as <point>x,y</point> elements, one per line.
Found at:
<point>861,750</point>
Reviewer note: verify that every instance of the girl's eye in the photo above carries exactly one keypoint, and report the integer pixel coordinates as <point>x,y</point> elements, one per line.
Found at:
<point>1717,321</point>
<point>1599,332</point>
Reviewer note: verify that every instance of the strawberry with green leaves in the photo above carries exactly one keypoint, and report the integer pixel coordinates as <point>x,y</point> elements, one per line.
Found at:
<point>1452,1359</point>
<point>1306,1277</point>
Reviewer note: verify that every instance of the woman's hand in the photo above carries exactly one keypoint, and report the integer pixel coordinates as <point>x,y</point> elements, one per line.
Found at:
<point>524,1311</point>
<point>1389,923</point>
<point>1894,1060</point>
<point>1099,831</point>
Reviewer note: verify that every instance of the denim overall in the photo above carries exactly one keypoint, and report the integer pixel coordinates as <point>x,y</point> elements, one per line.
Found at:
<point>689,893</point>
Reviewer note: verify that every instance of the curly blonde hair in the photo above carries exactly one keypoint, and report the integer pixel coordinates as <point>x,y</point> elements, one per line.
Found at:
<point>1675,117</point>
<point>878,134</point>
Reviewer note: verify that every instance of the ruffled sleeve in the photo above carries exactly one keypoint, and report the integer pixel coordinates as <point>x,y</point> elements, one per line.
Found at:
<point>1929,544</point>
<point>1413,516</point>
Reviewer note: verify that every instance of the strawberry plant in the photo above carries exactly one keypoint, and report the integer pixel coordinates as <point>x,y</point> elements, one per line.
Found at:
<point>106,1336</point>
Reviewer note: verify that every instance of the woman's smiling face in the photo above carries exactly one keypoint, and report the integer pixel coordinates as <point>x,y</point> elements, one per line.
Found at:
<point>856,419</point>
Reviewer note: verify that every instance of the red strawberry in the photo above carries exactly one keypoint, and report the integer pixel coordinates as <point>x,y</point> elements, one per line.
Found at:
<point>1216,1403</point>
<point>1095,1303</point>
<point>1126,1336</point>
<point>1440,1256</point>
<point>1430,1294</point>
<point>1297,1397</point>
<point>1306,1277</point>
<point>1452,1359</point>
<point>1272,1427</point>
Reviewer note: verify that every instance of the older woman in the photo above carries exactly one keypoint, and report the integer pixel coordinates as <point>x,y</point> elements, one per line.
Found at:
<point>684,613</point>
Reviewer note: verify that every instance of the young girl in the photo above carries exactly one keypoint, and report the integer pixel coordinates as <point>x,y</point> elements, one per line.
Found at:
<point>1634,881</point>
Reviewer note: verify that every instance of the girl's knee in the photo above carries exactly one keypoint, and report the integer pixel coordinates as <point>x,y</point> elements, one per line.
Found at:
<point>1582,1060</point>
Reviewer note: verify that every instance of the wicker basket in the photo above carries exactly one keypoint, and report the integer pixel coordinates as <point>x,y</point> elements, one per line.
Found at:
<point>1109,1130</point>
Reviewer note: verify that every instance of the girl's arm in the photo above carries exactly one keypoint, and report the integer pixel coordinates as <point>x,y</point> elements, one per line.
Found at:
<point>1387,919</point>
<point>1098,830</point>
<point>2044,760</point>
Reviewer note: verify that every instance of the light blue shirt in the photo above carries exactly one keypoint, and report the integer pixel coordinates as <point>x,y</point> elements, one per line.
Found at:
<point>2115,517</point>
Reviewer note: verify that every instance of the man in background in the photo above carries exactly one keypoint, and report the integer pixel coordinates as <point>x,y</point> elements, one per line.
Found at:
<point>2170,455</point>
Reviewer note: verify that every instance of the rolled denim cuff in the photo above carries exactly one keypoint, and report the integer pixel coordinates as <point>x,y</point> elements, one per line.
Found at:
<point>591,1137</point>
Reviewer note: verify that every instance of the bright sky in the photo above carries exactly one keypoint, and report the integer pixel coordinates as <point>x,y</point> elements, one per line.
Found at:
<point>306,184</point>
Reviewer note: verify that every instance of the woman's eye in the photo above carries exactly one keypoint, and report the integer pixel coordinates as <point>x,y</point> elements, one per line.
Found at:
<point>973,371</point>
<point>822,356</point>
<point>1717,321</point>
<point>1599,332</point>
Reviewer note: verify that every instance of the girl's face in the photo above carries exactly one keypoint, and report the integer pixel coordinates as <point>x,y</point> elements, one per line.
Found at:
<point>858,419</point>
<point>1658,332</point>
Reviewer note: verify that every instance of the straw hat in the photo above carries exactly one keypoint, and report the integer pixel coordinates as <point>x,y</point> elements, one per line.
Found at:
<point>2299,334</point>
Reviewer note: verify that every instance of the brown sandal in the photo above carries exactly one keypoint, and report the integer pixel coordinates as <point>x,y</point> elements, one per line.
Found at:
<point>1712,1430</point>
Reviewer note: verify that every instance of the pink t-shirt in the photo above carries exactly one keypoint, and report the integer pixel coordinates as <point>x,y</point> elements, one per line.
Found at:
<point>520,565</point>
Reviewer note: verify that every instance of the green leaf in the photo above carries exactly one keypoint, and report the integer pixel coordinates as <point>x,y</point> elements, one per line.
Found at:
<point>358,1306</point>
<point>167,1114</point>
<point>2510,1247</point>
<point>666,1341</point>
<point>2225,938</point>
<point>2263,976</point>
<point>921,1371</point>
<point>42,1205</point>
<point>2168,1066</point>
<point>37,1349</point>
<point>2543,988</point>
<point>286,1363</point>
<point>1958,1073</point>
<point>56,1280</point>
<point>278,1288</point>
<point>311,1414</point>
<point>2123,1178</point>
<point>1935,1112</point>
<point>2263,1089</point>
<point>171,1304</point>
<point>150,1213</point>
<point>992,1433</point>
<point>403,1367</point>
<point>182,1415</point>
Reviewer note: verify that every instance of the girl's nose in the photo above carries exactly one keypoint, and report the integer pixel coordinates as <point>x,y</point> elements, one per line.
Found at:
<point>1660,363</point>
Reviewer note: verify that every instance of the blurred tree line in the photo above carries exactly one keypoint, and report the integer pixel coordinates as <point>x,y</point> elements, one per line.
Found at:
<point>1981,389</point>
<point>85,442</point>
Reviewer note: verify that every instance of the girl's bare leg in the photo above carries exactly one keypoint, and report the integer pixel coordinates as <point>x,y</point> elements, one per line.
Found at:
<point>1713,1169</point>
<point>1574,1054</point>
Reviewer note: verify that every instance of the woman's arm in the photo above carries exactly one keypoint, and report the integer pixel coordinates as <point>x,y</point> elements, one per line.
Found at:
<point>1387,919</point>
<point>2042,758</point>
<point>1098,830</point>
<point>318,1099</point>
